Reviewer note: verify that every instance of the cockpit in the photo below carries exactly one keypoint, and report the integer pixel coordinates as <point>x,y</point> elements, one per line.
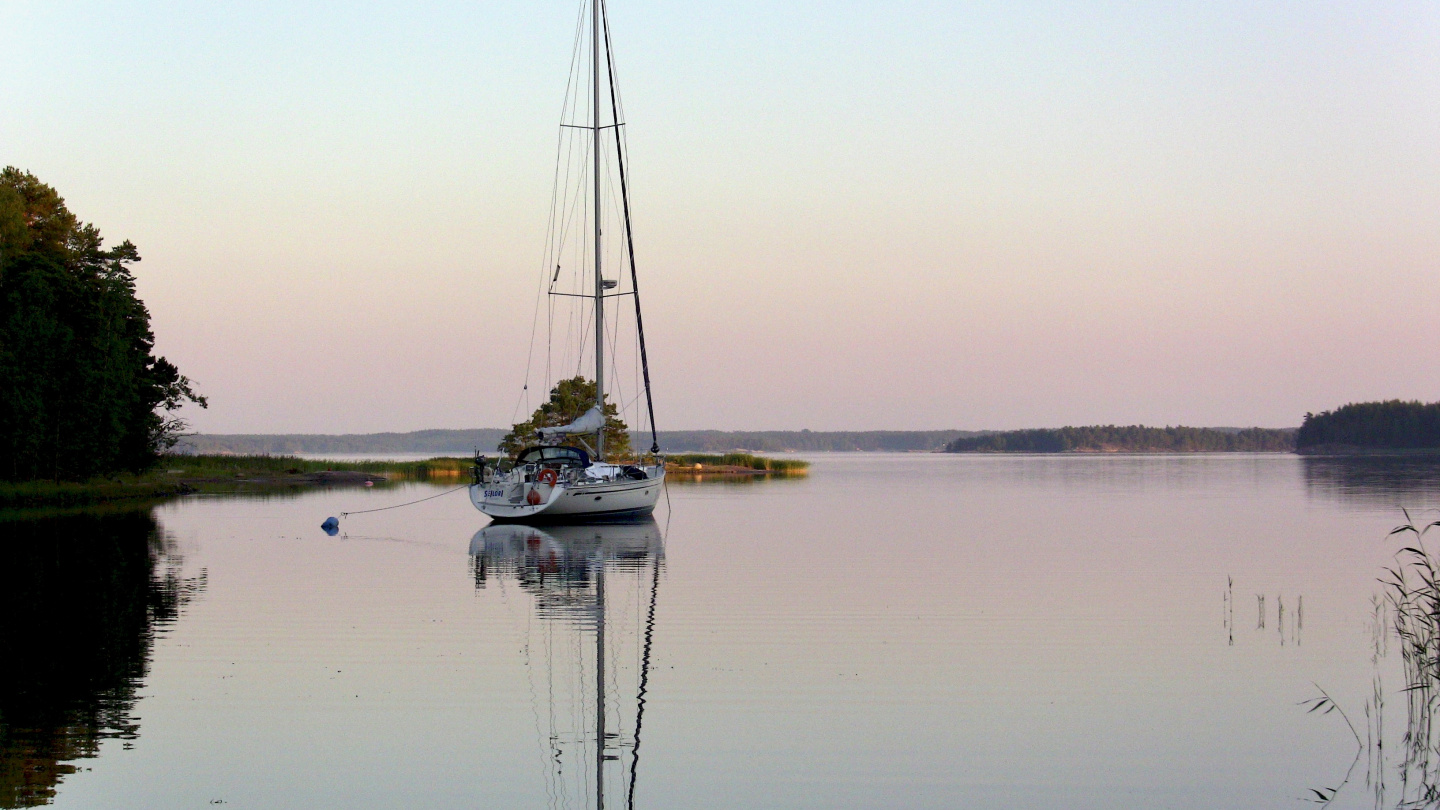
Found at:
<point>555,457</point>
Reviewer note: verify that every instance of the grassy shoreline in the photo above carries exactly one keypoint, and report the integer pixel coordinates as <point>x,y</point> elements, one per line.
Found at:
<point>199,474</point>
<point>733,464</point>
<point>178,475</point>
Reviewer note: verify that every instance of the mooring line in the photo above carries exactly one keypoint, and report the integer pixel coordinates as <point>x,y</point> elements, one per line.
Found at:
<point>411,503</point>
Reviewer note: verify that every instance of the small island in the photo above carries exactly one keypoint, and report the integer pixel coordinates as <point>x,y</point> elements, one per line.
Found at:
<point>689,465</point>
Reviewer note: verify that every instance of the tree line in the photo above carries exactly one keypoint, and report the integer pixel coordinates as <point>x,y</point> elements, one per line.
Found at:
<point>1392,424</point>
<point>461,442</point>
<point>1127,439</point>
<point>81,392</point>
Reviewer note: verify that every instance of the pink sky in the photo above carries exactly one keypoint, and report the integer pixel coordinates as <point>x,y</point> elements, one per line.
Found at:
<point>847,217</point>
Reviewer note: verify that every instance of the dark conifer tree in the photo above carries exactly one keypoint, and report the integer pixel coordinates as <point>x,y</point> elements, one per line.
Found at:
<point>1392,424</point>
<point>81,392</point>
<point>569,399</point>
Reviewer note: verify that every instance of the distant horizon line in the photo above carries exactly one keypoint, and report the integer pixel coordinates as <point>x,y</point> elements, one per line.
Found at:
<point>757,430</point>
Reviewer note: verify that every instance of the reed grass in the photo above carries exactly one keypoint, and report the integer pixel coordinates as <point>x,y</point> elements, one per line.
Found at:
<point>782,466</point>
<point>183,474</point>
<point>1413,592</point>
<point>1409,608</point>
<point>202,466</point>
<point>180,474</point>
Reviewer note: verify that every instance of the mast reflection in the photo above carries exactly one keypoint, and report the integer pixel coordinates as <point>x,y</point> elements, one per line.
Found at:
<point>595,589</point>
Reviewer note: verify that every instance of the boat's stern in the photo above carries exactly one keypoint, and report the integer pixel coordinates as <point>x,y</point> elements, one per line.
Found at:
<point>577,498</point>
<point>515,500</point>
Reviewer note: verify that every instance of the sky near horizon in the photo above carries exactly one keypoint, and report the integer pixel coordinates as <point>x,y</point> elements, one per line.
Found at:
<point>848,216</point>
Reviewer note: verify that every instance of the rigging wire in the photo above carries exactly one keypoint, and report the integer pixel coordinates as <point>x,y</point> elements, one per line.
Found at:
<point>562,213</point>
<point>645,419</point>
<point>410,503</point>
<point>629,235</point>
<point>550,229</point>
<point>571,224</point>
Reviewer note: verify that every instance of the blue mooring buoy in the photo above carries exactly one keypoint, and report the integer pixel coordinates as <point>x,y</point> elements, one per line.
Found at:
<point>331,526</point>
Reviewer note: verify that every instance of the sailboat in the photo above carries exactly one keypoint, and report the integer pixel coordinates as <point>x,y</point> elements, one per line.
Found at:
<point>585,582</point>
<point>562,477</point>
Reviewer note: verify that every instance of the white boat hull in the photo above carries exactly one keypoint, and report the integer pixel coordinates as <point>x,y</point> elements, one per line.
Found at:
<point>618,499</point>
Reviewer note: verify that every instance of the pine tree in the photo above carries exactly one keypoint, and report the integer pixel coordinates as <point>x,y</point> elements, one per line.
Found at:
<point>81,392</point>
<point>569,400</point>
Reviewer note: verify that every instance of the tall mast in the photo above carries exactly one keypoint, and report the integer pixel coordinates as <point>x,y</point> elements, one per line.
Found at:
<point>599,277</point>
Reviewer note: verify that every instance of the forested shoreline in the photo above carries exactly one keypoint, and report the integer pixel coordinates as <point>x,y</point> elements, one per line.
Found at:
<point>486,439</point>
<point>1128,439</point>
<point>81,392</point>
<point>1058,440</point>
<point>1372,427</point>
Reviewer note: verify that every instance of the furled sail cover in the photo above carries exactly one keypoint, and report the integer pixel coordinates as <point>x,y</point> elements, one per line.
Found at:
<point>589,422</point>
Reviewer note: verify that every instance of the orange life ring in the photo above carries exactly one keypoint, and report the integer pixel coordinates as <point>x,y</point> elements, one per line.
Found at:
<point>548,477</point>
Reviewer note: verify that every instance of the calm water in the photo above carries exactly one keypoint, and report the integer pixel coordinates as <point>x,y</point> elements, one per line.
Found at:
<point>893,631</point>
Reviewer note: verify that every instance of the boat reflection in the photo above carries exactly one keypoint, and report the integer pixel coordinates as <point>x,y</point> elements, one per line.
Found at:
<point>83,598</point>
<point>595,588</point>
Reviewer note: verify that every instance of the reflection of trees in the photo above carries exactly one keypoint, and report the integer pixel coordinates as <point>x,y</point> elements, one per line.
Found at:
<point>82,598</point>
<point>1374,480</point>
